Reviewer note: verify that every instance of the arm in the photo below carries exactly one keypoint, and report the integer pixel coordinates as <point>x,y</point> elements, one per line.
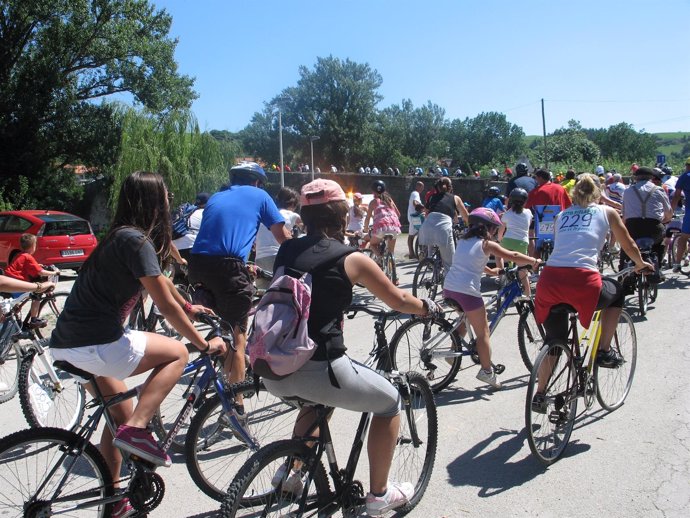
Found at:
<point>605,200</point>
<point>15,285</point>
<point>491,247</point>
<point>395,208</point>
<point>175,254</point>
<point>280,232</point>
<point>626,242</point>
<point>462,210</point>
<point>676,198</point>
<point>370,211</point>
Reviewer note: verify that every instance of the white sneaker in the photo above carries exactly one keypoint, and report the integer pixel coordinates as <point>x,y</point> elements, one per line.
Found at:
<point>397,495</point>
<point>292,484</point>
<point>488,377</point>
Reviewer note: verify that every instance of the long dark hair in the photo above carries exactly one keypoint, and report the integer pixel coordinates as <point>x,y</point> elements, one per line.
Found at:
<point>143,205</point>
<point>326,220</point>
<point>476,230</point>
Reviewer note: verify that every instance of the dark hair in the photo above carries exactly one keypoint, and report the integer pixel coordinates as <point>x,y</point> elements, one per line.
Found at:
<point>326,220</point>
<point>26,241</point>
<point>543,174</point>
<point>287,198</point>
<point>516,205</point>
<point>479,230</point>
<point>385,198</point>
<point>444,185</point>
<point>570,174</point>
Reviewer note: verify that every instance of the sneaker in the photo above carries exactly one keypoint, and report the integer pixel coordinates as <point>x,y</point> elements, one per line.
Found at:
<point>610,359</point>
<point>123,509</point>
<point>539,403</point>
<point>396,496</point>
<point>676,268</point>
<point>36,323</point>
<point>488,377</point>
<point>292,484</point>
<point>140,442</point>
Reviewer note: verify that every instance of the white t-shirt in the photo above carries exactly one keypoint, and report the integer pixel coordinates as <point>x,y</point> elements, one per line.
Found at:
<point>579,234</point>
<point>266,244</point>
<point>615,191</point>
<point>414,198</point>
<point>465,274</point>
<point>517,225</point>
<point>356,223</point>
<point>187,241</point>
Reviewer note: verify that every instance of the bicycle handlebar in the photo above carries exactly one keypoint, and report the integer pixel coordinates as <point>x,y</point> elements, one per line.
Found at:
<point>369,309</point>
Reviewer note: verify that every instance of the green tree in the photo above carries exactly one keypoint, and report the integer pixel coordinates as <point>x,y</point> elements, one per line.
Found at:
<point>566,145</point>
<point>621,142</point>
<point>56,58</point>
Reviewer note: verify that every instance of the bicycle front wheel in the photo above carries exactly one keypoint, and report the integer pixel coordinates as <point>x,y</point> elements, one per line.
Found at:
<point>530,338</point>
<point>613,384</point>
<point>429,347</point>
<point>9,371</point>
<point>36,463</point>
<point>550,421</point>
<point>415,451</point>
<point>49,310</point>
<point>46,401</point>
<point>215,451</point>
<point>424,285</point>
<point>258,489</point>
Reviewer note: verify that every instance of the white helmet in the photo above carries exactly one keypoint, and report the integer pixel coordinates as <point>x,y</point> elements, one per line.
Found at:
<point>600,170</point>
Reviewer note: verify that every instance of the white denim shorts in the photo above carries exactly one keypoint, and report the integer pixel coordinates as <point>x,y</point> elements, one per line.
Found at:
<point>118,359</point>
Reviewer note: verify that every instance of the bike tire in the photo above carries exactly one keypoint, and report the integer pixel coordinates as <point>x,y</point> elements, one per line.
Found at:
<point>423,282</point>
<point>49,310</point>
<point>252,491</point>
<point>642,293</point>
<point>390,270</point>
<point>530,338</point>
<point>415,463</point>
<point>409,351</point>
<point>45,403</point>
<point>9,372</point>
<point>28,457</point>
<point>548,433</point>
<point>213,452</point>
<point>613,385</point>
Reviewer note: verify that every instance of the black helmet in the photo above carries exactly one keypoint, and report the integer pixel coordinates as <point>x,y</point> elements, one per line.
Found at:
<point>248,171</point>
<point>667,169</point>
<point>378,186</point>
<point>518,195</point>
<point>494,191</point>
<point>521,168</point>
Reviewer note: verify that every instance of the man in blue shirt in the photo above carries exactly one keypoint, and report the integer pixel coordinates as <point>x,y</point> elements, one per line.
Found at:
<point>493,200</point>
<point>228,230</point>
<point>521,179</point>
<point>682,188</point>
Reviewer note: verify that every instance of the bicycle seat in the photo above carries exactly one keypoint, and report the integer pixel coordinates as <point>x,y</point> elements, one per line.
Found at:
<point>563,308</point>
<point>644,242</point>
<point>453,304</point>
<point>68,367</point>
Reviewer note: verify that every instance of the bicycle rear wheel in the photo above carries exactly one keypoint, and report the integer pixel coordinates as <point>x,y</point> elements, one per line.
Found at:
<point>258,490</point>
<point>49,310</point>
<point>9,370</point>
<point>214,451</point>
<point>415,452</point>
<point>389,267</point>
<point>550,425</point>
<point>46,402</point>
<point>34,462</point>
<point>428,347</point>
<point>613,385</point>
<point>530,338</point>
<point>642,293</point>
<point>424,285</point>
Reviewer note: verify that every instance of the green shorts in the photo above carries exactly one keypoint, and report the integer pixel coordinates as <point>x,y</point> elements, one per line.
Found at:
<point>514,245</point>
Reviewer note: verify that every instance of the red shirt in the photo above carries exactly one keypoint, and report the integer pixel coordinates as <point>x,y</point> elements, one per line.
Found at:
<point>548,194</point>
<point>24,267</point>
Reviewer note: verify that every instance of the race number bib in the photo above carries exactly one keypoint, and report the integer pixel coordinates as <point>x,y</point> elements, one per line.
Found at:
<point>546,227</point>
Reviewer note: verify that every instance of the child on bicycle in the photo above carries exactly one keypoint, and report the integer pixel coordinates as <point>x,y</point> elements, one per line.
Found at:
<point>514,232</point>
<point>385,215</point>
<point>335,269</point>
<point>25,268</point>
<point>90,332</point>
<point>463,281</point>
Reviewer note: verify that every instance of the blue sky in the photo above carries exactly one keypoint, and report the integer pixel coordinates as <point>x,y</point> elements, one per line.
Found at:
<point>599,62</point>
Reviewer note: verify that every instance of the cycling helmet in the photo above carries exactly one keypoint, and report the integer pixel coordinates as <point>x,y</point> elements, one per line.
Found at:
<point>494,191</point>
<point>667,169</point>
<point>518,195</point>
<point>378,187</point>
<point>600,170</point>
<point>484,216</point>
<point>521,168</point>
<point>248,171</point>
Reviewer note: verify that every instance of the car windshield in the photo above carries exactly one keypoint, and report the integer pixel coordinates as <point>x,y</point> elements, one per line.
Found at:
<point>63,225</point>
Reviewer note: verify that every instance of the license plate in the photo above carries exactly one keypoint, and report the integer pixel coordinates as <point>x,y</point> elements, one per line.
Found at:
<point>71,253</point>
<point>546,227</point>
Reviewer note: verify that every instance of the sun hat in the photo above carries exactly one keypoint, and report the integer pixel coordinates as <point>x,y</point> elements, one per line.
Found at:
<point>321,191</point>
<point>357,195</point>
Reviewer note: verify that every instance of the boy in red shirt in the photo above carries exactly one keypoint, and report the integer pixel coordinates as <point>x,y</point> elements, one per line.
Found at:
<point>24,267</point>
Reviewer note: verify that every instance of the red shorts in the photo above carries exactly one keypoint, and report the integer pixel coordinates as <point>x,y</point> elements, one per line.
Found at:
<point>578,287</point>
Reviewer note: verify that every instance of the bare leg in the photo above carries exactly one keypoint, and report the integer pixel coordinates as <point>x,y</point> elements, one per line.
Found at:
<point>480,325</point>
<point>410,246</point>
<point>234,366</point>
<point>682,248</point>
<point>382,438</point>
<point>35,306</point>
<point>609,322</point>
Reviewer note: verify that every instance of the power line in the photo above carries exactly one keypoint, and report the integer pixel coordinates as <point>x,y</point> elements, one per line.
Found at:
<point>618,101</point>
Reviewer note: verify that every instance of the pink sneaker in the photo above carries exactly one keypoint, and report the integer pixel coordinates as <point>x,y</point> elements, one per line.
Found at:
<point>140,442</point>
<point>122,509</point>
<point>396,496</point>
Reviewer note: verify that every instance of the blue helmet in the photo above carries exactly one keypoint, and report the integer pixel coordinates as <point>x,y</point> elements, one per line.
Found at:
<point>250,171</point>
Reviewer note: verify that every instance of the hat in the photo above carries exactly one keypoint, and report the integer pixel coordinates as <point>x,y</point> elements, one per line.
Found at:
<point>202,198</point>
<point>321,191</point>
<point>687,161</point>
<point>648,171</point>
<point>357,195</point>
<point>600,170</point>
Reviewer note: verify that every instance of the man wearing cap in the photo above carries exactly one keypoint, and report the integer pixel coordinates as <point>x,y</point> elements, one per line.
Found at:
<point>616,188</point>
<point>682,189</point>
<point>414,216</point>
<point>645,209</point>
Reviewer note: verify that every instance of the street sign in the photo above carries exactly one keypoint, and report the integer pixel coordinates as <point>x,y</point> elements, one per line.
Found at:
<point>661,159</point>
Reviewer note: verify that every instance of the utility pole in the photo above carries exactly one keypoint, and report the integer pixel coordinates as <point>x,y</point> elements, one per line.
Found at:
<point>543,125</point>
<point>280,139</point>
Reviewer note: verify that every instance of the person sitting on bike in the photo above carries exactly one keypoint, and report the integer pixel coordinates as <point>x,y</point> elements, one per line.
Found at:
<point>546,193</point>
<point>24,267</point>
<point>646,208</point>
<point>355,217</point>
<point>514,232</point>
<point>521,179</point>
<point>385,215</point>
<point>90,332</point>
<point>335,270</point>
<point>437,230</point>
<point>463,281</point>
<point>493,200</point>
<point>682,188</point>
<point>571,275</point>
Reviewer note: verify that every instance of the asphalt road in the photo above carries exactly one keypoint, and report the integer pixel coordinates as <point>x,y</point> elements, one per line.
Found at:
<point>633,462</point>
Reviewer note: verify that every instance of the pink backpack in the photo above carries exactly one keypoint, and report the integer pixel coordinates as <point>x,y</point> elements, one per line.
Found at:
<point>279,342</point>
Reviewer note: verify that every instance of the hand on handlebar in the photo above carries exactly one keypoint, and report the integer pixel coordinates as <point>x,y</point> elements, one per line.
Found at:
<point>217,346</point>
<point>433,310</point>
<point>46,286</point>
<point>197,309</point>
<point>644,266</point>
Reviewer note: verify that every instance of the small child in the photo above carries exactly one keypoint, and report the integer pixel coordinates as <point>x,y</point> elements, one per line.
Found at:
<point>463,281</point>
<point>24,267</point>
<point>493,201</point>
<point>514,233</point>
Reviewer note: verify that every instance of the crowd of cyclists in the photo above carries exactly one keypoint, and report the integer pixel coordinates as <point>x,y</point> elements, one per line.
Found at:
<point>91,334</point>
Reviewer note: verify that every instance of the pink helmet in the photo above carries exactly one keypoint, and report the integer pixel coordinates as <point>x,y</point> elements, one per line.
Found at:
<point>485,216</point>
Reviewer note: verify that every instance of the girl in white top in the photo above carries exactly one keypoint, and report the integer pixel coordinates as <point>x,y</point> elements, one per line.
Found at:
<point>463,282</point>
<point>355,215</point>
<point>514,232</point>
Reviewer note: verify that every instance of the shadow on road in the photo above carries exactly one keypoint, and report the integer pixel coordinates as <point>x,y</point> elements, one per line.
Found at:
<point>455,395</point>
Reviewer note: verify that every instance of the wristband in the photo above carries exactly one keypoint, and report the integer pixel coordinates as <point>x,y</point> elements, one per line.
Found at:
<point>206,349</point>
<point>39,286</point>
<point>187,307</point>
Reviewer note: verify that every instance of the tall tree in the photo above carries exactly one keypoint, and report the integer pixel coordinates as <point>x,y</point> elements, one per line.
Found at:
<point>621,142</point>
<point>56,58</point>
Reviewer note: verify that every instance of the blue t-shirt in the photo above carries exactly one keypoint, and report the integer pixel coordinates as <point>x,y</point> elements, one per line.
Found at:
<point>683,184</point>
<point>494,204</point>
<point>231,221</point>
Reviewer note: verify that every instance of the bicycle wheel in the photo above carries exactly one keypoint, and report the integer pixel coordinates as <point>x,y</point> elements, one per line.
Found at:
<point>428,347</point>
<point>389,267</point>
<point>415,452</point>
<point>642,293</point>
<point>530,338</point>
<point>613,385</point>
<point>49,310</point>
<point>424,284</point>
<point>9,370</point>
<point>162,326</point>
<point>35,462</point>
<point>257,490</point>
<point>214,452</point>
<point>45,402</point>
<point>549,428</point>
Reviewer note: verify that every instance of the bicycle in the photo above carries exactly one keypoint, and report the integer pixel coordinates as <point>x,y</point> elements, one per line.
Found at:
<point>671,241</point>
<point>385,258</point>
<point>428,275</point>
<point>572,373</point>
<point>259,489</point>
<point>544,221</point>
<point>53,471</point>
<point>645,283</point>
<point>608,257</point>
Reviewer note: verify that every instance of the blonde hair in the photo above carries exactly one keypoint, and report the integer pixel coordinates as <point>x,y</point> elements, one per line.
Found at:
<point>586,191</point>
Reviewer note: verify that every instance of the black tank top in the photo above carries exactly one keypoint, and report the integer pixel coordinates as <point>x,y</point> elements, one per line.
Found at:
<point>331,288</point>
<point>443,202</point>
